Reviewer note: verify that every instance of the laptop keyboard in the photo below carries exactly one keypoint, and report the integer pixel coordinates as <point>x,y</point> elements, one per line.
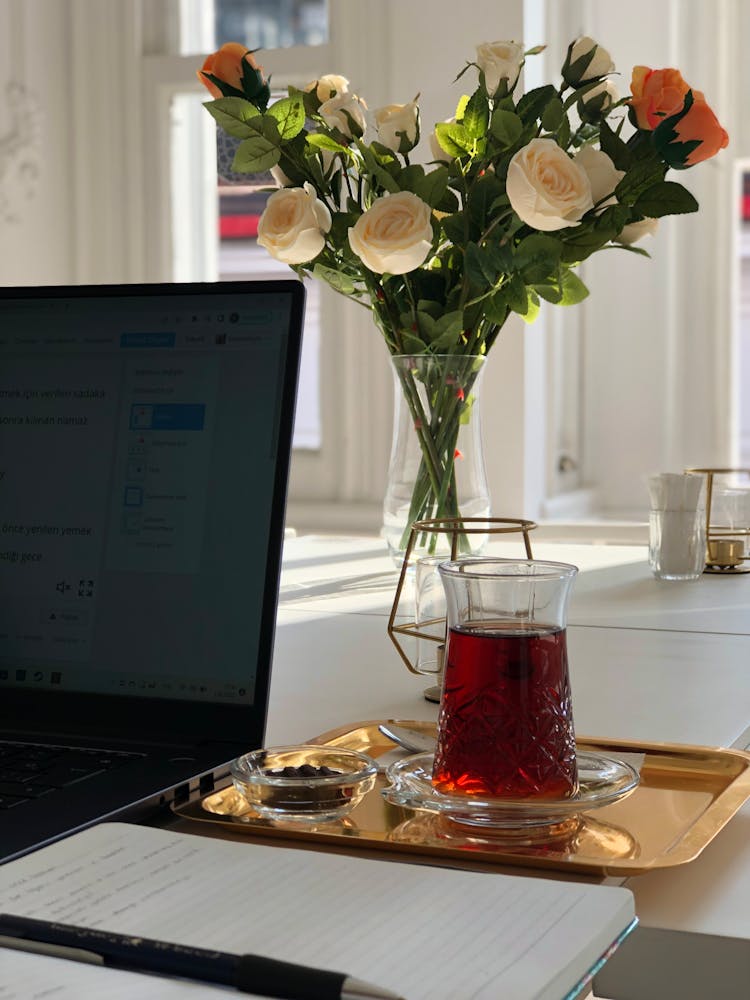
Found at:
<point>30,770</point>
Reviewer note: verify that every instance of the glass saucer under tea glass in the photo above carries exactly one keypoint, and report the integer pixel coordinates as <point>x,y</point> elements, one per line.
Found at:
<point>602,780</point>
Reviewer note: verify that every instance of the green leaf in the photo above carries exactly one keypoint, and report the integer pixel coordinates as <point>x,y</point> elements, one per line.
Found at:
<point>290,116</point>
<point>336,279</point>
<point>410,176</point>
<point>321,141</point>
<point>448,330</point>
<point>374,167</point>
<point>506,127</point>
<point>432,186</point>
<point>532,104</point>
<point>611,144</point>
<point>552,115</point>
<point>255,155</point>
<point>476,115</point>
<point>233,114</point>
<point>412,344</point>
<point>496,307</point>
<point>573,289</point>
<point>482,195</point>
<point>549,292</point>
<point>665,198</point>
<point>563,132</point>
<point>426,324</point>
<point>478,268</point>
<point>537,257</point>
<point>532,308</point>
<point>454,139</point>
<point>518,295</point>
<point>455,227</point>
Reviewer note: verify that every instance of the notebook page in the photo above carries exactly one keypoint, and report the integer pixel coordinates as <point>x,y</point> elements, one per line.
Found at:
<point>428,933</point>
<point>31,977</point>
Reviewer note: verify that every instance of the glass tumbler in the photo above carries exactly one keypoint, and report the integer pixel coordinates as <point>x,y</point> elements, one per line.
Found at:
<point>505,727</point>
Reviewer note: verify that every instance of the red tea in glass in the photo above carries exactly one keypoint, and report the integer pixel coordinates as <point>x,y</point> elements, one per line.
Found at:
<point>506,722</point>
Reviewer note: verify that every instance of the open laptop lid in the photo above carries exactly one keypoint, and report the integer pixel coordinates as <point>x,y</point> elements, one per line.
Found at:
<point>145,438</point>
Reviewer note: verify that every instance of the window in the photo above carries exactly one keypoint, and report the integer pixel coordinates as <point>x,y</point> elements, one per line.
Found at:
<point>233,209</point>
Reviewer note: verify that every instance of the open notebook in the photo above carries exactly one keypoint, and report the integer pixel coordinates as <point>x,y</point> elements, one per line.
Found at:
<point>426,933</point>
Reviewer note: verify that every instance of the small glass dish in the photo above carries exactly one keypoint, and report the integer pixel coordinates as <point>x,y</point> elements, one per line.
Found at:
<point>309,784</point>
<point>602,781</point>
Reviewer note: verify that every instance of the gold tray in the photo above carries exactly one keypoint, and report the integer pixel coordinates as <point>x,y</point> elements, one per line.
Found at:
<point>685,796</point>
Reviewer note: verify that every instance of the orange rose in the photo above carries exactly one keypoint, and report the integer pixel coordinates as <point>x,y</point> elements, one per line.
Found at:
<point>657,94</point>
<point>660,94</point>
<point>701,123</point>
<point>227,66</point>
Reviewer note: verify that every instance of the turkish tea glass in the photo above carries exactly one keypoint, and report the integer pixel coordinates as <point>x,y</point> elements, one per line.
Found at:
<point>505,727</point>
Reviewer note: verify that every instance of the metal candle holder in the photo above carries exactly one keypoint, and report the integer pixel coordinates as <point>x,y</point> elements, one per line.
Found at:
<point>725,547</point>
<point>454,528</point>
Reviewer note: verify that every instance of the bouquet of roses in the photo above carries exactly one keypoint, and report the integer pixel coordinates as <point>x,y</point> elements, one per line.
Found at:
<point>517,190</point>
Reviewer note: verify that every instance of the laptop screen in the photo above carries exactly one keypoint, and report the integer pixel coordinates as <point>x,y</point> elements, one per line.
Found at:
<point>144,445</point>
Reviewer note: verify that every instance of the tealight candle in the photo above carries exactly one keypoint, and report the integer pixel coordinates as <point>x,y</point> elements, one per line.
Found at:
<point>725,551</point>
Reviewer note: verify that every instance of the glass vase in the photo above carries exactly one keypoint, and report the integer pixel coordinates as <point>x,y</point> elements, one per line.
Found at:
<point>437,461</point>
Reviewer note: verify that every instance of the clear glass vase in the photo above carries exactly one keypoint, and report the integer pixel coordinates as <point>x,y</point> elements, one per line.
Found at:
<point>437,461</point>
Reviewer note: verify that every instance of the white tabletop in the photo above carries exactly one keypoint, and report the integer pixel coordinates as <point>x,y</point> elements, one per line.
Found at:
<point>650,660</point>
<point>614,588</point>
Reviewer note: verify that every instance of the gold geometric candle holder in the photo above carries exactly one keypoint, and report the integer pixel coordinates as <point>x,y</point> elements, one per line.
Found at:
<point>455,528</point>
<point>727,546</point>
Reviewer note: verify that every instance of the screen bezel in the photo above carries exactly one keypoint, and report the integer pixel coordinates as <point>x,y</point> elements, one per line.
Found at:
<point>57,714</point>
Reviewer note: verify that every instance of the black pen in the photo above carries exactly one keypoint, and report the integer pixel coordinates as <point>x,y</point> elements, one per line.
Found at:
<point>247,973</point>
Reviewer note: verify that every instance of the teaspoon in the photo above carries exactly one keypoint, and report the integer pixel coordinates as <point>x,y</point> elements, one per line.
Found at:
<point>410,739</point>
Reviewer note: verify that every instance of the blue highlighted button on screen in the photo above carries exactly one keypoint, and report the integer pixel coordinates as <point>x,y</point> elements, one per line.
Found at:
<point>167,416</point>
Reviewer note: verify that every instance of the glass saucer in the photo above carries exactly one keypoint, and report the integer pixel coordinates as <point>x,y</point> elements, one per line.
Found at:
<point>602,781</point>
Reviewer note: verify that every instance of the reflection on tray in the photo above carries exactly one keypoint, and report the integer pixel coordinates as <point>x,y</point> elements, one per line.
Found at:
<point>573,835</point>
<point>685,796</point>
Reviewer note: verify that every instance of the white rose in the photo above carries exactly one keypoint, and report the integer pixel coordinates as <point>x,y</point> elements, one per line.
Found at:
<point>602,174</point>
<point>604,92</point>
<point>635,231</point>
<point>394,235</point>
<point>600,65</point>
<point>328,86</point>
<point>499,61</point>
<point>546,188</point>
<point>394,119</point>
<point>346,112</point>
<point>293,225</point>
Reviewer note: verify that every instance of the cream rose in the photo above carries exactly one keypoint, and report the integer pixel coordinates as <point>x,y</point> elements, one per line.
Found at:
<point>328,86</point>
<point>293,225</point>
<point>602,174</point>
<point>601,63</point>
<point>499,61</point>
<point>394,235</point>
<point>398,126</point>
<point>602,96</point>
<point>546,188</point>
<point>346,112</point>
<point>635,231</point>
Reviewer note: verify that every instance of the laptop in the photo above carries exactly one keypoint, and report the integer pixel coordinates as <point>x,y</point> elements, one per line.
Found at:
<point>145,441</point>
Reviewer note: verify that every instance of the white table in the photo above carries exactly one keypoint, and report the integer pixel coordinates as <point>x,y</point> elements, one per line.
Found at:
<point>650,660</point>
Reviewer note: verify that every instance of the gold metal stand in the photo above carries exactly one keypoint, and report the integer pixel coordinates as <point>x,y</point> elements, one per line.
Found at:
<point>454,527</point>
<point>725,547</point>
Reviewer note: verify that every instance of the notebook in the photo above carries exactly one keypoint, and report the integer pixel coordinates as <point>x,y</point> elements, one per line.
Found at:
<point>424,933</point>
<point>145,439</point>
